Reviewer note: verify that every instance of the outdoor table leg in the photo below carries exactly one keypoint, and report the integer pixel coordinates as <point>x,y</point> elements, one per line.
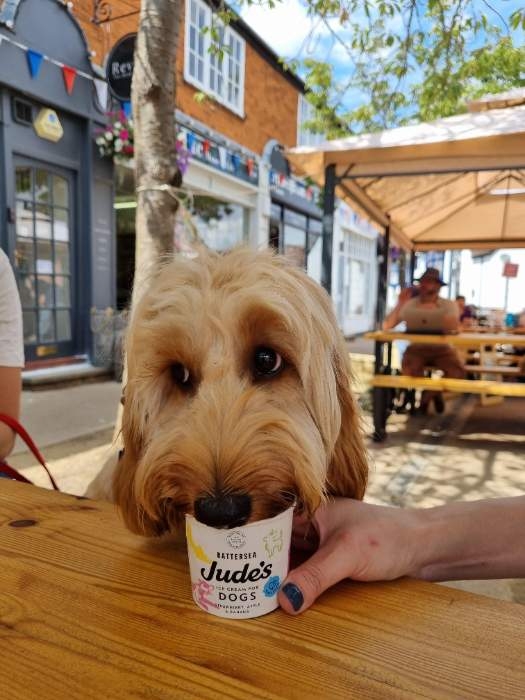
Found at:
<point>381,398</point>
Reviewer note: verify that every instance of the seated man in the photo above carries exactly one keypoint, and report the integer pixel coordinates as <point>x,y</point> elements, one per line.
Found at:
<point>424,311</point>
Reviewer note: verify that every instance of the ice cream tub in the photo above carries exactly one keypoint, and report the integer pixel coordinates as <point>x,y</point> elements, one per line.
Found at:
<point>237,573</point>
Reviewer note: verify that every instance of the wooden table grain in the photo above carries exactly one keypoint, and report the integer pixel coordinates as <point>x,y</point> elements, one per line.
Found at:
<point>88,610</point>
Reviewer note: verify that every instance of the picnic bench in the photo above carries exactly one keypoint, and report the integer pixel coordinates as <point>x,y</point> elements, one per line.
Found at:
<point>385,382</point>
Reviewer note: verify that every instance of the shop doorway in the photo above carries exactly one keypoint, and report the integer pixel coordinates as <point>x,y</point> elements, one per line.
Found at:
<point>44,212</point>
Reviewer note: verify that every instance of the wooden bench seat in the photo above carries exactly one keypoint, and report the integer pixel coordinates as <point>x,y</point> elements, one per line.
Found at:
<point>462,386</point>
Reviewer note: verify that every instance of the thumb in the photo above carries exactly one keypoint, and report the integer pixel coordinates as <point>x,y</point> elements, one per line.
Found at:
<point>305,584</point>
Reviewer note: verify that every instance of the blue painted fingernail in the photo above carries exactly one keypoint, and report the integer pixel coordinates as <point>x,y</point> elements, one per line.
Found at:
<point>294,595</point>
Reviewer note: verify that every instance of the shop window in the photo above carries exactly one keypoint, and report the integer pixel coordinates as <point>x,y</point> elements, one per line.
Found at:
<point>43,254</point>
<point>275,235</point>
<point>219,74</point>
<point>314,259</point>
<point>22,111</point>
<point>356,276</point>
<point>221,225</point>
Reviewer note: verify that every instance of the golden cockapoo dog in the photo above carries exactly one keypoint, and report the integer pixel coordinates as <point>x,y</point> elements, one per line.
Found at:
<point>237,400</point>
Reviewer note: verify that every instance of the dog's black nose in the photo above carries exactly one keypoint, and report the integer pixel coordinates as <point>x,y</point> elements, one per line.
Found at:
<point>231,510</point>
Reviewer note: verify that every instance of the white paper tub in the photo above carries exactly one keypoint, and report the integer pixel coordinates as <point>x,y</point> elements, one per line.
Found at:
<point>237,573</point>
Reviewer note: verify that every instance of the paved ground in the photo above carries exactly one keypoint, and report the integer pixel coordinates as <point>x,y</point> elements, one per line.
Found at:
<point>470,452</point>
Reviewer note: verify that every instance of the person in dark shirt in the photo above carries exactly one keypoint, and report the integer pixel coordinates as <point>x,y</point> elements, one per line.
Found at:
<point>466,315</point>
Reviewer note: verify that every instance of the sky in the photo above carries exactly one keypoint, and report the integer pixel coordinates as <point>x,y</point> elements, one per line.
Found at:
<point>286,27</point>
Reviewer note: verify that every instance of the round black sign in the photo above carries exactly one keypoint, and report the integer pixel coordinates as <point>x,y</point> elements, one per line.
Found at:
<point>119,68</point>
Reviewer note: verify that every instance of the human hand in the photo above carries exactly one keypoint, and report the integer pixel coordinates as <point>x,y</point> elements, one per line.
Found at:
<point>349,539</point>
<point>405,295</point>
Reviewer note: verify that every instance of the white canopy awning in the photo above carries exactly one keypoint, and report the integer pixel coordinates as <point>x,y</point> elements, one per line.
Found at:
<point>457,182</point>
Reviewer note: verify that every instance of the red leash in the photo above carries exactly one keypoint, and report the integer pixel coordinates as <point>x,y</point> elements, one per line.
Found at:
<point>19,430</point>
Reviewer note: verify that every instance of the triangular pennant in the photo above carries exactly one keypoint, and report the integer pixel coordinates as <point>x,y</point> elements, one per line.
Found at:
<point>69,78</point>
<point>126,108</point>
<point>101,88</point>
<point>34,60</point>
<point>222,157</point>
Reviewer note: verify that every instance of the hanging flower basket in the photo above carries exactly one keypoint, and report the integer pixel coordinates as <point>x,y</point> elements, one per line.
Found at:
<point>116,141</point>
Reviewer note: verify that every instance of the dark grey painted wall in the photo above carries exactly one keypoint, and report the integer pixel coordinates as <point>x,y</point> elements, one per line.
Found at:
<point>46,26</point>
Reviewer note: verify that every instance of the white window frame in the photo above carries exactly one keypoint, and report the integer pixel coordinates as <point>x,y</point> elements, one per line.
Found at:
<point>306,113</point>
<point>211,61</point>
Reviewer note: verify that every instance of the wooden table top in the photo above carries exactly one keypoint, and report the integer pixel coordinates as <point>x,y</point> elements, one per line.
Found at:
<point>88,610</point>
<point>464,339</point>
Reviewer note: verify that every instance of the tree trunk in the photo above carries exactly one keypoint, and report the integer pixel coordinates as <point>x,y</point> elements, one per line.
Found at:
<point>153,101</point>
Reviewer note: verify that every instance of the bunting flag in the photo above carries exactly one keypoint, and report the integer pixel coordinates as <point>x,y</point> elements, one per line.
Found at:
<point>34,61</point>
<point>206,147</point>
<point>249,166</point>
<point>101,88</point>
<point>190,140</point>
<point>126,108</point>
<point>236,161</point>
<point>70,75</point>
<point>222,157</point>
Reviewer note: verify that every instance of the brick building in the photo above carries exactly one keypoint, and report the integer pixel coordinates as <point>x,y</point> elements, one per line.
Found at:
<point>240,180</point>
<point>241,184</point>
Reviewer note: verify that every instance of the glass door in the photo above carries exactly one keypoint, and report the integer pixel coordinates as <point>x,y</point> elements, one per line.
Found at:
<point>43,258</point>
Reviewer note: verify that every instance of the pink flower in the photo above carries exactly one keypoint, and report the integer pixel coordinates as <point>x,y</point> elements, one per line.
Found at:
<point>124,135</point>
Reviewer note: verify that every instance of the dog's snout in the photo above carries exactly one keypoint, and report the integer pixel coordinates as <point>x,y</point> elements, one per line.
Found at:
<point>226,510</point>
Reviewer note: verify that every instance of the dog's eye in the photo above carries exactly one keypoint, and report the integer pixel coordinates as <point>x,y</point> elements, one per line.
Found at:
<point>180,374</point>
<point>267,362</point>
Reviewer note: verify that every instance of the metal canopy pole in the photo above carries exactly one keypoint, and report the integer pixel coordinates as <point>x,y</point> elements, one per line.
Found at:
<point>382,282</point>
<point>381,397</point>
<point>330,181</point>
<point>412,265</point>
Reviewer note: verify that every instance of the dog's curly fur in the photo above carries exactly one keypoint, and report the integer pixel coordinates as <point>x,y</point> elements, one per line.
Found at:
<point>293,436</point>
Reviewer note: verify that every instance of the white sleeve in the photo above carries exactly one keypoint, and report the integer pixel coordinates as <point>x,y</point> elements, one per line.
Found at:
<point>11,330</point>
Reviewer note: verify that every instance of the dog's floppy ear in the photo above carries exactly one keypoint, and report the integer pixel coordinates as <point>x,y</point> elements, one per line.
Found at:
<point>348,468</point>
<point>327,381</point>
<point>124,481</point>
<point>135,517</point>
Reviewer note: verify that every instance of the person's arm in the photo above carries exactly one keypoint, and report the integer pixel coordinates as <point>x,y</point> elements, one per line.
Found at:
<point>11,383</point>
<point>394,317</point>
<point>480,539</point>
<point>451,323</point>
<point>11,352</point>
